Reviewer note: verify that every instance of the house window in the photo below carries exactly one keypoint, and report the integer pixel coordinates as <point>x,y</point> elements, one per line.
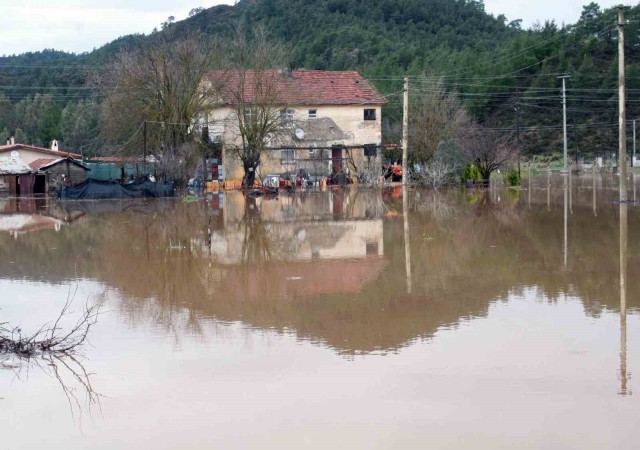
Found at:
<point>312,152</point>
<point>369,114</point>
<point>372,248</point>
<point>370,150</point>
<point>287,156</point>
<point>286,115</point>
<point>250,116</point>
<point>313,113</point>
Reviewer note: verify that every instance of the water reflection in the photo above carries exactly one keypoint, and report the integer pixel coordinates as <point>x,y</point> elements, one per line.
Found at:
<point>566,219</point>
<point>20,216</point>
<point>623,299</point>
<point>335,267</point>
<point>432,306</point>
<point>407,244</point>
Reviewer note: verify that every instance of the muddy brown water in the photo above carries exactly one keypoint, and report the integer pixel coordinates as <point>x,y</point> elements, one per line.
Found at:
<point>499,319</point>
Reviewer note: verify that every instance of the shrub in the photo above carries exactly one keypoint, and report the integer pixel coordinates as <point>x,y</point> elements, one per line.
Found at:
<point>512,176</point>
<point>471,172</point>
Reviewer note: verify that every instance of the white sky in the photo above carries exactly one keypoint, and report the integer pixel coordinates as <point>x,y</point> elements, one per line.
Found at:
<point>530,11</point>
<point>81,25</point>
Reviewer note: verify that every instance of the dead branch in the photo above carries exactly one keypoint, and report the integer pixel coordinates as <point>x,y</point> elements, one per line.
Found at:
<point>49,339</point>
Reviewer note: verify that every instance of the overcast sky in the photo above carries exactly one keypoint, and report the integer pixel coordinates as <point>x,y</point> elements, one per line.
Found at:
<point>82,25</point>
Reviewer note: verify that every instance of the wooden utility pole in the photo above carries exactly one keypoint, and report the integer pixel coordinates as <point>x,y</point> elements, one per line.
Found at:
<point>517,108</point>
<point>405,130</point>
<point>144,146</point>
<point>622,153</point>
<point>564,122</point>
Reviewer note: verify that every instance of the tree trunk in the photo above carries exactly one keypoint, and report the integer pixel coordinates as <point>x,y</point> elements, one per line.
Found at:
<point>485,172</point>
<point>250,166</point>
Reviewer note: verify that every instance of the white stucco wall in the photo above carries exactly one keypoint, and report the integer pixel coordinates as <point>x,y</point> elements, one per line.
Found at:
<point>30,155</point>
<point>349,119</point>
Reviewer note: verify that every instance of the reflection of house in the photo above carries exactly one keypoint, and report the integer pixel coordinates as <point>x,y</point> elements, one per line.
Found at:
<point>17,224</point>
<point>322,226</point>
<point>330,120</point>
<point>24,215</point>
<point>300,240</point>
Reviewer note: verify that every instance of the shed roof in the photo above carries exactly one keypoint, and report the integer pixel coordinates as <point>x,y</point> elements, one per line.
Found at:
<point>46,163</point>
<point>298,87</point>
<point>13,165</point>
<point>38,163</point>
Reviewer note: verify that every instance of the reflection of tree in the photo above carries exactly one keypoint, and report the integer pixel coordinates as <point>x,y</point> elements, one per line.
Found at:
<point>70,373</point>
<point>256,248</point>
<point>54,349</point>
<point>438,205</point>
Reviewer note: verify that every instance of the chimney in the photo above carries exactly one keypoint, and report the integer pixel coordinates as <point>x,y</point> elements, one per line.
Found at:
<point>13,140</point>
<point>54,145</point>
<point>8,141</point>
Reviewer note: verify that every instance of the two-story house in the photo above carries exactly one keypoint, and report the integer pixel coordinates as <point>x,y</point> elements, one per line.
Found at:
<point>332,121</point>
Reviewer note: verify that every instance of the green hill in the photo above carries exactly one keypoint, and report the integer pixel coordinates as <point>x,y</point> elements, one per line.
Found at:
<point>496,66</point>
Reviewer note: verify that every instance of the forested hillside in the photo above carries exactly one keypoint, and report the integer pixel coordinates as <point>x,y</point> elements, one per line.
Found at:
<point>501,71</point>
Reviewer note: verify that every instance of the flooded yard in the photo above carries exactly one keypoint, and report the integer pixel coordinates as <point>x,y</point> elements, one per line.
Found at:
<point>496,319</point>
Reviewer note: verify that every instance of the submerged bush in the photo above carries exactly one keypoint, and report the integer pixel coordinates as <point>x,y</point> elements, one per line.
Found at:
<point>471,172</point>
<point>512,177</point>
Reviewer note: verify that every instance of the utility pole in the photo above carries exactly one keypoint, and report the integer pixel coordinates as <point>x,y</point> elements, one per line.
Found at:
<point>622,153</point>
<point>144,144</point>
<point>564,121</point>
<point>575,138</point>
<point>405,131</point>
<point>405,193</point>
<point>517,108</point>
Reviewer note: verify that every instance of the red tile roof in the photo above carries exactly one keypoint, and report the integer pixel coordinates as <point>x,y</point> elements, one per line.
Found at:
<point>59,154</point>
<point>299,87</point>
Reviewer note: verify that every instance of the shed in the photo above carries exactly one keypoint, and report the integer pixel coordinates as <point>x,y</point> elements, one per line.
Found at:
<point>53,172</point>
<point>16,177</point>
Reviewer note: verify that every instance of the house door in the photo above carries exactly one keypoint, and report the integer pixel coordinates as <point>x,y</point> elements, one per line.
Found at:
<point>40,186</point>
<point>336,159</point>
<point>25,184</point>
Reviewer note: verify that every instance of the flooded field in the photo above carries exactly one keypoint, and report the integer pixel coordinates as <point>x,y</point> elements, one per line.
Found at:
<point>499,319</point>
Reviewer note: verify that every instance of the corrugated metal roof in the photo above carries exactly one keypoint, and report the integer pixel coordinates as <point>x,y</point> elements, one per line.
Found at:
<point>12,165</point>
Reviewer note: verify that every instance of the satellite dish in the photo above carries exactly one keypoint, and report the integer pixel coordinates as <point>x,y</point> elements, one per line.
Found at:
<point>299,133</point>
<point>15,154</point>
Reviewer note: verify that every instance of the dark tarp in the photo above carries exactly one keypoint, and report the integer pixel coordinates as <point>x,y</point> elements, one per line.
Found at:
<point>96,190</point>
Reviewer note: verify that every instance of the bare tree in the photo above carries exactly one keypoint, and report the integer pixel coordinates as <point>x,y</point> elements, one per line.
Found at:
<point>162,85</point>
<point>487,148</point>
<point>255,89</point>
<point>436,116</point>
